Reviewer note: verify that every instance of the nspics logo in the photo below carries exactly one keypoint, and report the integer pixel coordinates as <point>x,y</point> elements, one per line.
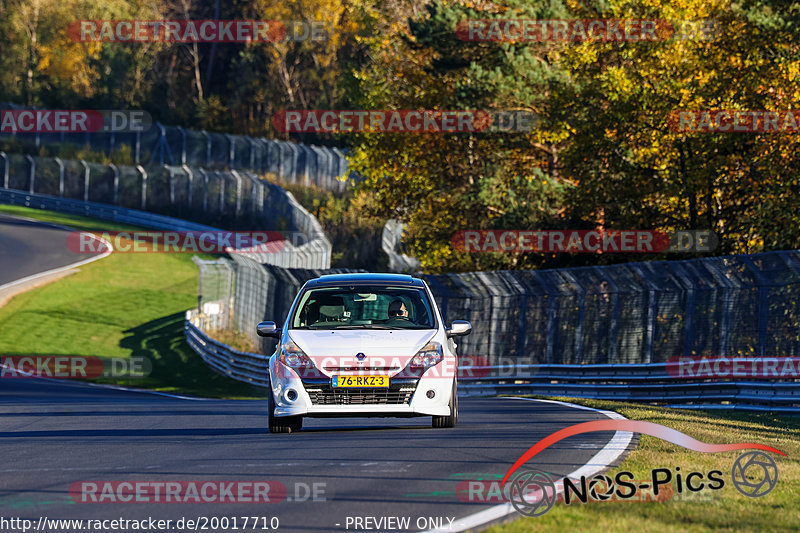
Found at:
<point>533,492</point>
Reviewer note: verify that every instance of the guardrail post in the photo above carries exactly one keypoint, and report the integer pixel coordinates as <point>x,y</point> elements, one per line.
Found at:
<point>32,174</point>
<point>60,177</point>
<point>116,182</point>
<point>144,186</point>
<point>85,180</point>
<point>5,169</point>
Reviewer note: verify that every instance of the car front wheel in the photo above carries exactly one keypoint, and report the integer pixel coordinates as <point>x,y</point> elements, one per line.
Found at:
<point>450,420</point>
<point>282,424</point>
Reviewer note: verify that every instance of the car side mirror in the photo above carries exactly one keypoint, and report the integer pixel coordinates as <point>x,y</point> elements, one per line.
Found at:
<point>459,328</point>
<point>268,329</point>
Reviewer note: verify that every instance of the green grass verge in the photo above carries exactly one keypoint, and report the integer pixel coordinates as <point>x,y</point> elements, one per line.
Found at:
<point>126,305</point>
<point>704,511</point>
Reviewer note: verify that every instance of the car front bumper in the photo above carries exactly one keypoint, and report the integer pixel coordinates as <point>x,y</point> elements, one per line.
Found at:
<point>405,397</point>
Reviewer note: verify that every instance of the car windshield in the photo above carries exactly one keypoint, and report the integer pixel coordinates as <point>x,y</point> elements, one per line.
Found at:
<point>364,307</point>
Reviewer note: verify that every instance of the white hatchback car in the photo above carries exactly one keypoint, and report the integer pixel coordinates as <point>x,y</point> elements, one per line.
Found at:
<point>363,345</point>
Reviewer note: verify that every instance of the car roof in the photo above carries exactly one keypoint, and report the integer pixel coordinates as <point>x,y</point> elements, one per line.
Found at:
<point>365,278</point>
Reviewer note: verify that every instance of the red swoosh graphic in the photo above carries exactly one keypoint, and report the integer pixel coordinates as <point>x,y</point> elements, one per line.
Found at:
<point>635,426</point>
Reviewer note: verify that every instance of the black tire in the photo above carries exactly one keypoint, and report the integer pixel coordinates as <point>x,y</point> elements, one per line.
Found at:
<point>282,424</point>
<point>451,420</point>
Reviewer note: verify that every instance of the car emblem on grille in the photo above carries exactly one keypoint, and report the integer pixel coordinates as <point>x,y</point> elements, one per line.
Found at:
<point>361,356</point>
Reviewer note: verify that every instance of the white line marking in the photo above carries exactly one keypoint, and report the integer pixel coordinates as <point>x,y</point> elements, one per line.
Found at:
<point>59,269</point>
<point>596,464</point>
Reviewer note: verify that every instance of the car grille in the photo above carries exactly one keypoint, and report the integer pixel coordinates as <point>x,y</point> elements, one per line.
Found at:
<point>395,394</point>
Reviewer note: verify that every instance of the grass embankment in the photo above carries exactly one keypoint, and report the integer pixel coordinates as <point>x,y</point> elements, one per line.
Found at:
<point>705,511</point>
<point>126,305</point>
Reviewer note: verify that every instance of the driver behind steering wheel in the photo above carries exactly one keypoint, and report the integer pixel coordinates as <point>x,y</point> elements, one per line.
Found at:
<point>397,310</point>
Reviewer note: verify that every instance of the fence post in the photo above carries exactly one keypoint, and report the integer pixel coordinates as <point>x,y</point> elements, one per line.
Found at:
<point>552,321</point>
<point>85,180</point>
<point>688,328</point>
<point>208,146</point>
<point>144,186</point>
<point>60,177</point>
<point>205,189</point>
<point>578,346</point>
<point>32,171</point>
<point>614,327</point>
<point>238,192</point>
<point>763,305</point>
<point>183,145</point>
<point>231,151</point>
<point>221,193</point>
<point>252,152</point>
<point>191,178</point>
<point>651,314</point>
<point>116,182</point>
<point>171,185</point>
<point>5,169</point>
<point>162,140</point>
<point>795,268</point>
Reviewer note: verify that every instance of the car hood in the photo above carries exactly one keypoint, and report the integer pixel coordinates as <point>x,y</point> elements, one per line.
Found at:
<point>335,350</point>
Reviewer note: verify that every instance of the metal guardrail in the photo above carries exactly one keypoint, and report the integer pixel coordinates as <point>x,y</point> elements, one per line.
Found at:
<point>113,213</point>
<point>648,383</point>
<point>242,366</point>
<point>315,253</point>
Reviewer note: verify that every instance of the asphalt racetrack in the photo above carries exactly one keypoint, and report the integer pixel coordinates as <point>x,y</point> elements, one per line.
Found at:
<point>28,247</point>
<point>58,434</point>
<point>54,434</point>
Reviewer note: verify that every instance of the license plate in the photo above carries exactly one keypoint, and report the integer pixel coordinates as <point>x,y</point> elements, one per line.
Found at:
<point>360,381</point>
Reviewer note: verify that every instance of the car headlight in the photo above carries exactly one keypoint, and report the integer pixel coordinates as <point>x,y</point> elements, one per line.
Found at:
<point>292,356</point>
<point>430,355</point>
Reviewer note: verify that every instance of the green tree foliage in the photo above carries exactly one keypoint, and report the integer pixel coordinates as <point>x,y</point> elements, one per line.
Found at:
<point>603,155</point>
